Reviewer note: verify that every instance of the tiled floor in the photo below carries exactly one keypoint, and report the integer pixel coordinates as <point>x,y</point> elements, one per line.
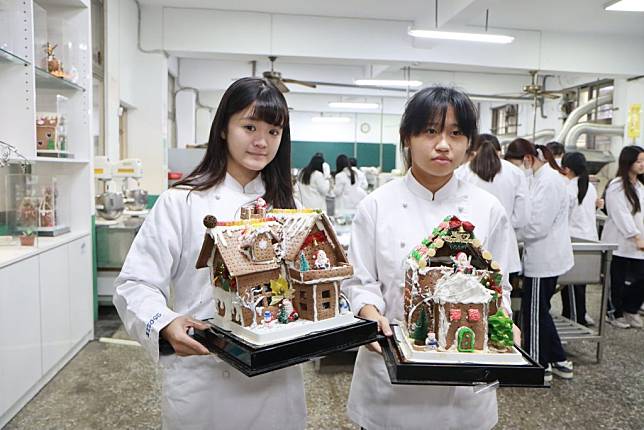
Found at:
<point>109,386</point>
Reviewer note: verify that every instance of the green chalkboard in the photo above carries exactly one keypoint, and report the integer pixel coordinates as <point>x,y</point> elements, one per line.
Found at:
<point>368,154</point>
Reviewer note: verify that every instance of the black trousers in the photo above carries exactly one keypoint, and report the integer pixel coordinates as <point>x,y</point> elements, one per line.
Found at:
<point>540,337</point>
<point>573,301</point>
<point>627,285</point>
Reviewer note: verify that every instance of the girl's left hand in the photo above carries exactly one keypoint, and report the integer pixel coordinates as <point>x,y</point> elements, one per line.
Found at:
<point>516,334</point>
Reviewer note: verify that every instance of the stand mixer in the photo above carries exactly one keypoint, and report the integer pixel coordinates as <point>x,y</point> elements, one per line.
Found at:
<point>109,204</point>
<point>131,171</point>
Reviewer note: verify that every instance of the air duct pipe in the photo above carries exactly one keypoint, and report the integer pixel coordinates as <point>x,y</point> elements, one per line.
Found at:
<point>593,129</point>
<point>580,111</point>
<point>545,134</point>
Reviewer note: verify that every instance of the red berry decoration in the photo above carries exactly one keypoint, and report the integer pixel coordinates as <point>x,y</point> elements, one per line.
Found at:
<point>468,226</point>
<point>454,222</point>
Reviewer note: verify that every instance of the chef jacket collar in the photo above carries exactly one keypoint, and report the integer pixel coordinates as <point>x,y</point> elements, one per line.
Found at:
<point>447,191</point>
<point>256,186</point>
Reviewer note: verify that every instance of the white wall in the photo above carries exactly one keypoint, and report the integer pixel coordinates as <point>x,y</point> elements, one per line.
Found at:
<point>139,81</point>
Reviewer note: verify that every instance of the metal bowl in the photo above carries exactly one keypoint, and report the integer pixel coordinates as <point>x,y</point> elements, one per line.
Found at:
<point>110,205</point>
<point>136,200</point>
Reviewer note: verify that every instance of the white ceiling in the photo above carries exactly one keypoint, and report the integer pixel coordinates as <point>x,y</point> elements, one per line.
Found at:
<point>569,16</point>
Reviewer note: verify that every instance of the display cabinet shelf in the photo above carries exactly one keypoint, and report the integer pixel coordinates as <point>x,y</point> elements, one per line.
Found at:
<point>46,80</point>
<point>11,58</point>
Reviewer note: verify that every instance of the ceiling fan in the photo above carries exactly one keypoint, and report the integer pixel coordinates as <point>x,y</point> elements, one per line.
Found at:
<point>276,78</point>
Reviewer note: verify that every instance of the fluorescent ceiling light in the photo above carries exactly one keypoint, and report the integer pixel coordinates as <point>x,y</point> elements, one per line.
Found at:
<point>354,105</point>
<point>388,83</point>
<point>626,6</point>
<point>331,119</point>
<point>469,37</point>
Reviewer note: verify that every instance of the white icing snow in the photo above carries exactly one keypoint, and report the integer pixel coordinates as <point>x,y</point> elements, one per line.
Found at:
<point>461,288</point>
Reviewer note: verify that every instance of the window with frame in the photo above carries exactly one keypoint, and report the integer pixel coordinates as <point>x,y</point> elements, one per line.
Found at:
<point>601,114</point>
<point>505,120</point>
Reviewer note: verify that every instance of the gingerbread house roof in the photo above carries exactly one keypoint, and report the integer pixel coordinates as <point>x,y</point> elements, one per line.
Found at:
<point>296,226</point>
<point>228,239</point>
<point>447,240</point>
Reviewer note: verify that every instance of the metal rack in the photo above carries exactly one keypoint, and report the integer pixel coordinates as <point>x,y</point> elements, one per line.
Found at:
<point>592,267</point>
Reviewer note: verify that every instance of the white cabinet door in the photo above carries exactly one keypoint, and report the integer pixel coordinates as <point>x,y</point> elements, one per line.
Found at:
<point>81,290</point>
<point>20,359</point>
<point>54,306</point>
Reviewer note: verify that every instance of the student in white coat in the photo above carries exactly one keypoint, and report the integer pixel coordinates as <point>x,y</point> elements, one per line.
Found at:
<point>362,177</point>
<point>436,128</point>
<point>347,190</point>
<point>625,226</point>
<point>582,225</point>
<point>500,178</point>
<point>547,253</point>
<point>313,185</point>
<point>159,293</point>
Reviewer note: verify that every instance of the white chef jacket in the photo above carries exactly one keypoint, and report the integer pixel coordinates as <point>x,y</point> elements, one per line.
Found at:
<point>510,186</point>
<point>159,282</point>
<point>388,224</point>
<point>583,217</point>
<point>361,178</point>
<point>547,249</point>
<point>622,226</point>
<point>347,195</point>
<point>313,195</point>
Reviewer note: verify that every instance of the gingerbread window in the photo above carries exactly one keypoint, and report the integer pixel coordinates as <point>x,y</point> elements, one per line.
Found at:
<point>473,315</point>
<point>454,314</point>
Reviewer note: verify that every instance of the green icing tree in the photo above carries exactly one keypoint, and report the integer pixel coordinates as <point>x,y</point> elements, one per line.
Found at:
<point>304,265</point>
<point>500,328</point>
<point>282,317</point>
<point>420,332</point>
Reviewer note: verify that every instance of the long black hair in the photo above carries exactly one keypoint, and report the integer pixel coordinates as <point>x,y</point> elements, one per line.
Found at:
<point>341,163</point>
<point>576,162</point>
<point>627,158</point>
<point>486,163</point>
<point>269,106</point>
<point>430,105</point>
<point>315,164</point>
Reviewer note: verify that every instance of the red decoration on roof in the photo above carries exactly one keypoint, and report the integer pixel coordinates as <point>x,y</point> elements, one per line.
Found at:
<point>318,236</point>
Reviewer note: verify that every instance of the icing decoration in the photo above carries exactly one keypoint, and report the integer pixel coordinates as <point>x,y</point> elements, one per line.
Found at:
<point>304,265</point>
<point>438,243</point>
<point>473,315</point>
<point>454,314</point>
<point>420,332</point>
<point>487,255</point>
<point>495,266</point>
<point>500,327</point>
<point>431,342</point>
<point>465,339</point>
<point>321,260</point>
<point>476,243</point>
<point>431,252</point>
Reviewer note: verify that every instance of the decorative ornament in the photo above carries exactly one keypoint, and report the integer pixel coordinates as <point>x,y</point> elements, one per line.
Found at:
<point>431,342</point>
<point>304,265</point>
<point>420,332</point>
<point>495,266</point>
<point>500,329</point>
<point>438,243</point>
<point>321,261</point>
<point>280,290</point>
<point>431,252</point>
<point>487,255</point>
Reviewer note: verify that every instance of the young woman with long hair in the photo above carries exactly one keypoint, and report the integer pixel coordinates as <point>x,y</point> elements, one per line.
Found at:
<point>625,226</point>
<point>312,185</point>
<point>347,190</point>
<point>159,294</point>
<point>547,253</point>
<point>582,225</point>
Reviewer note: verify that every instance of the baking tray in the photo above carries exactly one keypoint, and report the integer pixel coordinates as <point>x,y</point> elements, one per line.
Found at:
<point>464,374</point>
<point>254,360</point>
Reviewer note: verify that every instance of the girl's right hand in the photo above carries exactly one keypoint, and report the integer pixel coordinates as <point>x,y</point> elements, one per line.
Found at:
<point>370,312</point>
<point>176,333</point>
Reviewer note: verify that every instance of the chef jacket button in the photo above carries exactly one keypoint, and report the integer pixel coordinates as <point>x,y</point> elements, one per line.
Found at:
<point>402,244</point>
<point>225,374</point>
<point>405,205</point>
<point>217,196</point>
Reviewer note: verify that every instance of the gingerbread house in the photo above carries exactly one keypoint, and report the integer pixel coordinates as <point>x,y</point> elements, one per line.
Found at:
<point>452,286</point>
<point>315,260</point>
<point>274,268</point>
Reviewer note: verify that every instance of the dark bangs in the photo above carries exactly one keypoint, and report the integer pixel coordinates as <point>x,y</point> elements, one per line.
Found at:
<point>270,107</point>
<point>430,105</point>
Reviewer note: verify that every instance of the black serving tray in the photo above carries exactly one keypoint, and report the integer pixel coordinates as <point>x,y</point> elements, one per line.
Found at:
<point>254,360</point>
<point>415,373</point>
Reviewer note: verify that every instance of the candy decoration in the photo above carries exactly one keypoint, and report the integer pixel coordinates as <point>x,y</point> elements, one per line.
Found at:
<point>454,314</point>
<point>473,315</point>
<point>487,255</point>
<point>495,266</point>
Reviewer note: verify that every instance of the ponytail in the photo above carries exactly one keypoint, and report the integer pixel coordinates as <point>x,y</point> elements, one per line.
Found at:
<point>576,162</point>
<point>486,163</point>
<point>544,154</point>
